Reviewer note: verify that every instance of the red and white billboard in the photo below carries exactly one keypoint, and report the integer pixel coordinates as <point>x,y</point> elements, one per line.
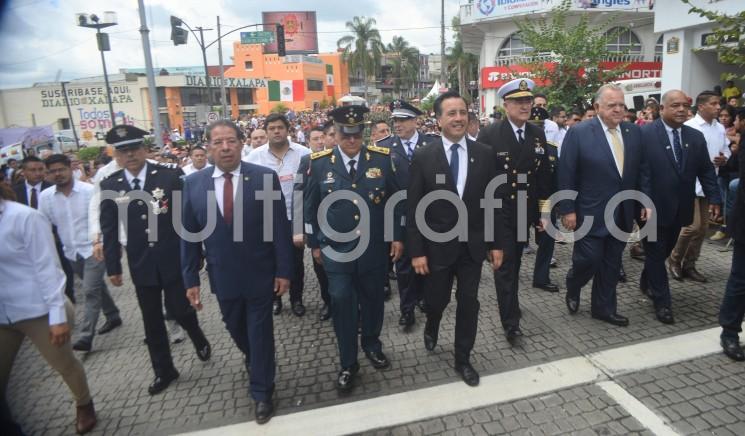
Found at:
<point>301,35</point>
<point>494,77</point>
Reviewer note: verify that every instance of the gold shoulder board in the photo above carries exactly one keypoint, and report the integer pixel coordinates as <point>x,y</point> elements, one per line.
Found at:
<point>382,150</point>
<point>321,153</point>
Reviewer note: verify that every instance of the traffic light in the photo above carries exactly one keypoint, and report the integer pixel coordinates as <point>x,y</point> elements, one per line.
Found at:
<point>178,34</point>
<point>280,40</point>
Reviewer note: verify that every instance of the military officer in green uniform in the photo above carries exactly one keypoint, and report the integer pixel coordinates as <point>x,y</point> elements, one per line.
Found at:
<point>349,187</point>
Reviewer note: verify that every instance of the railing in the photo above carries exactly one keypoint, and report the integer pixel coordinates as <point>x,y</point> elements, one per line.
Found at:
<point>546,57</point>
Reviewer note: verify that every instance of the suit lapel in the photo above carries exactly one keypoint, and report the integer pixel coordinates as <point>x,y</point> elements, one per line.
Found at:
<point>470,164</point>
<point>605,146</point>
<point>151,173</point>
<point>398,146</point>
<point>444,167</point>
<point>684,146</point>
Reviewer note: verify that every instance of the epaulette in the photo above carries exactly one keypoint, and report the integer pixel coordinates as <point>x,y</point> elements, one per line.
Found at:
<point>321,153</point>
<point>382,150</point>
<point>168,165</point>
<point>553,144</point>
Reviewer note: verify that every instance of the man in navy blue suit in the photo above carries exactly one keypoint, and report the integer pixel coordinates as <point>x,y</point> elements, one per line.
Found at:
<point>246,269</point>
<point>600,157</point>
<point>674,155</point>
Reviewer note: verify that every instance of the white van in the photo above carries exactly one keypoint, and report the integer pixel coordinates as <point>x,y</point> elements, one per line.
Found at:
<point>637,91</point>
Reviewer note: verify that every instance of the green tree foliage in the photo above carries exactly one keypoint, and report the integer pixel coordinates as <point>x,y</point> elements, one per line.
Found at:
<point>728,38</point>
<point>279,108</point>
<point>572,48</point>
<point>405,62</point>
<point>362,50</point>
<point>463,67</point>
<point>88,153</point>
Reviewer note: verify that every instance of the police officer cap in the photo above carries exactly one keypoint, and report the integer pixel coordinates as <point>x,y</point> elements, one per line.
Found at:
<point>124,136</point>
<point>517,88</point>
<point>402,109</point>
<point>538,114</point>
<point>349,120</point>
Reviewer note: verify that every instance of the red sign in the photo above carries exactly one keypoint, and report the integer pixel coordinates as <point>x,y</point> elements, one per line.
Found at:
<point>494,77</point>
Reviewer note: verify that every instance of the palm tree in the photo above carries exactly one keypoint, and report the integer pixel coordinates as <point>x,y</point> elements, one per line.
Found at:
<point>465,64</point>
<point>405,60</point>
<point>362,49</point>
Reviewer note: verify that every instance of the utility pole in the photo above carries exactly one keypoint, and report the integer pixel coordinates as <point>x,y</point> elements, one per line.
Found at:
<point>206,69</point>
<point>223,95</point>
<point>144,32</point>
<point>442,43</point>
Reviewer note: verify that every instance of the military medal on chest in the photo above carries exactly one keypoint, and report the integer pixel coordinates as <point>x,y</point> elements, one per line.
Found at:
<point>538,147</point>
<point>159,203</point>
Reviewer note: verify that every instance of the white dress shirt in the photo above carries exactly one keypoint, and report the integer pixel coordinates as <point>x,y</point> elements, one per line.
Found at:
<point>188,169</point>
<point>460,184</point>
<point>32,283</point>
<point>219,180</point>
<point>413,140</point>
<point>609,138</point>
<point>286,168</point>
<point>515,129</point>
<point>28,191</point>
<point>345,159</point>
<point>70,215</point>
<point>716,142</point>
<point>140,176</point>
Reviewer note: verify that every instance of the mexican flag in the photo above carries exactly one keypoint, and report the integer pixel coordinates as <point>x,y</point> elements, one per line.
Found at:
<point>286,90</point>
<point>329,75</point>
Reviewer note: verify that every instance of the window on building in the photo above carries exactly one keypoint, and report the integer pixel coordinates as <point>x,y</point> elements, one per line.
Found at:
<point>658,50</point>
<point>63,123</point>
<point>315,85</point>
<point>190,118</point>
<point>245,96</point>
<point>193,96</point>
<point>514,46</point>
<point>623,40</point>
<point>161,91</point>
<point>248,65</point>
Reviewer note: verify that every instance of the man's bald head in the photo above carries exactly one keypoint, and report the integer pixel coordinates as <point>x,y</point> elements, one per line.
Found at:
<point>258,138</point>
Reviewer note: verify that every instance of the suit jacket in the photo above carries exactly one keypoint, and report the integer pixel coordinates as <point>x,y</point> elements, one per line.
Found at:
<point>587,167</point>
<point>20,191</point>
<point>244,268</point>
<point>150,263</point>
<point>399,157</point>
<point>736,223</point>
<point>673,189</point>
<point>441,215</point>
<point>513,159</point>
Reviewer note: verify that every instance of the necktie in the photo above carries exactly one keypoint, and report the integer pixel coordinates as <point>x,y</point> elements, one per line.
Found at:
<point>33,202</point>
<point>454,162</point>
<point>227,199</point>
<point>617,149</point>
<point>352,170</point>
<point>520,138</point>
<point>409,150</point>
<point>136,183</point>
<point>677,148</point>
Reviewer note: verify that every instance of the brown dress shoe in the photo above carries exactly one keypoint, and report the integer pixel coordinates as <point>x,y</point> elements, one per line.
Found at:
<point>674,270</point>
<point>86,418</point>
<point>694,275</point>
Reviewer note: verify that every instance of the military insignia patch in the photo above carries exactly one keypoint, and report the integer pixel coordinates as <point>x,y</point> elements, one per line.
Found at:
<point>381,150</point>
<point>321,153</point>
<point>121,132</point>
<point>374,173</point>
<point>523,85</point>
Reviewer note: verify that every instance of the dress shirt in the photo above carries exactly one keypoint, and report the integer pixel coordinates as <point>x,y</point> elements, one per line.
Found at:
<point>32,283</point>
<point>670,138</point>
<point>140,176</point>
<point>515,128</point>
<point>414,139</point>
<point>286,168</point>
<point>460,184</point>
<point>28,191</point>
<point>609,139</point>
<point>716,142</point>
<point>554,133</point>
<point>94,210</point>
<point>219,180</point>
<point>70,215</point>
<point>188,169</point>
<point>345,159</point>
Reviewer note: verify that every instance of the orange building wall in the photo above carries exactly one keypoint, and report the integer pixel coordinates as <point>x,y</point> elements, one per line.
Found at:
<point>173,102</point>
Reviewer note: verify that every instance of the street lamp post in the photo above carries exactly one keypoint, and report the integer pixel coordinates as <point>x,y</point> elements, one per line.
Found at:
<point>92,21</point>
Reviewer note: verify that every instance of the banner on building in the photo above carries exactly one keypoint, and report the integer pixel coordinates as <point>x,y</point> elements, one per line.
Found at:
<point>286,90</point>
<point>501,8</point>
<point>301,36</point>
<point>494,77</point>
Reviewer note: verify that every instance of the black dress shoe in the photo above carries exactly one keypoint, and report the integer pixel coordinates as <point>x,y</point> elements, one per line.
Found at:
<point>298,309</point>
<point>387,292</point>
<point>572,304</point>
<point>550,287</point>
<point>431,330</point>
<point>731,348</point>
<point>81,346</point>
<point>378,359</point>
<point>407,319</point>
<point>421,306</point>
<point>644,287</point>
<point>345,381</point>
<point>263,411</point>
<point>614,319</point>
<point>277,307</point>
<point>162,382</point>
<point>622,276</point>
<point>203,347</point>
<point>553,263</point>
<point>109,325</point>
<point>467,373</point>
<point>512,333</point>
<point>325,313</point>
<point>665,315</point>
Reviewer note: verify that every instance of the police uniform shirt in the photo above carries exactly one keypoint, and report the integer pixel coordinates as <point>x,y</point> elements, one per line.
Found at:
<point>140,177</point>
<point>462,161</point>
<point>346,159</point>
<point>410,144</point>
<point>219,180</point>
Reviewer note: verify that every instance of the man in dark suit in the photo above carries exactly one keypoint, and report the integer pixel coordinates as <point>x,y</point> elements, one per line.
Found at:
<point>600,157</point>
<point>457,172</point>
<point>521,155</point>
<point>674,156</point>
<point>732,309</point>
<point>28,193</point>
<point>402,145</point>
<point>245,274</point>
<point>146,190</point>
<point>358,181</point>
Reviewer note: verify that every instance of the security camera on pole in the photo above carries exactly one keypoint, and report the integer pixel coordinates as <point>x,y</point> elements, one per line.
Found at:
<point>93,21</point>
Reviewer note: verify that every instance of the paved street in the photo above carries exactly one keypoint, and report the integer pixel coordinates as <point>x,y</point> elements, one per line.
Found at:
<point>699,395</point>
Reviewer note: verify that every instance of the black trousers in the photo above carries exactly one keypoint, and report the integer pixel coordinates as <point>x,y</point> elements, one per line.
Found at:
<point>733,304</point>
<point>298,277</point>
<point>543,255</point>
<point>437,286</point>
<point>506,281</point>
<point>596,258</point>
<point>67,268</point>
<point>409,284</point>
<point>323,282</point>
<point>654,272</point>
<point>150,299</point>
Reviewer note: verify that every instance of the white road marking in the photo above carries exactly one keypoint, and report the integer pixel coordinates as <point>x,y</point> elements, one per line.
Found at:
<point>637,409</point>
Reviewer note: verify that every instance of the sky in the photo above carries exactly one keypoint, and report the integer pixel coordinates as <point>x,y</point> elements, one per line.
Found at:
<point>40,39</point>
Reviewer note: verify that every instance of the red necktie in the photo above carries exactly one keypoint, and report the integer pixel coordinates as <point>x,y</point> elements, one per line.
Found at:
<point>227,199</point>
